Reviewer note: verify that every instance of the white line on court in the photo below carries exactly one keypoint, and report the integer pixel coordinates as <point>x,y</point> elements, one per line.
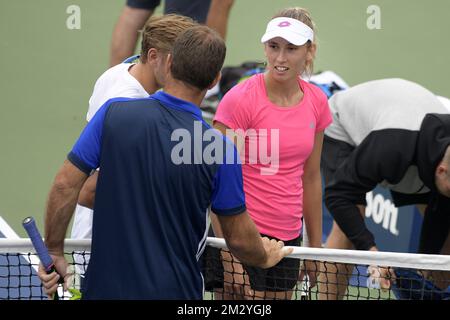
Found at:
<point>11,234</point>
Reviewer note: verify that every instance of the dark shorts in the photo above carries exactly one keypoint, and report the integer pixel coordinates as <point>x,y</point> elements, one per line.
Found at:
<point>143,4</point>
<point>196,9</point>
<point>281,277</point>
<point>336,152</point>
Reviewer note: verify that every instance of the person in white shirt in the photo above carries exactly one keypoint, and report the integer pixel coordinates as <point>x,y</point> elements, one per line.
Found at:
<point>129,80</point>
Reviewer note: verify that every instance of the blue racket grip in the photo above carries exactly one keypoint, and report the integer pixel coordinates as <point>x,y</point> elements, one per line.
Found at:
<point>41,249</point>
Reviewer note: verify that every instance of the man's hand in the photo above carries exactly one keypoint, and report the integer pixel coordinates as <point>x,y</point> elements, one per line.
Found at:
<point>275,251</point>
<point>50,281</point>
<point>383,275</point>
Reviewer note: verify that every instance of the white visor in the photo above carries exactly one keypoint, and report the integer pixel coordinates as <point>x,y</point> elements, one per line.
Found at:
<point>292,30</point>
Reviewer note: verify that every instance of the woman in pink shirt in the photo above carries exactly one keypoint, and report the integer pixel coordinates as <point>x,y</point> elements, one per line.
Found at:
<point>278,120</point>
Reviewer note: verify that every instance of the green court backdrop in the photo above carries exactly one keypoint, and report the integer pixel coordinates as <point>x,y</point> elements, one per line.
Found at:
<point>48,70</point>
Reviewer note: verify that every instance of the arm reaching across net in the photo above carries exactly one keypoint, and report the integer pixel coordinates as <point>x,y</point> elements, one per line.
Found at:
<point>246,244</point>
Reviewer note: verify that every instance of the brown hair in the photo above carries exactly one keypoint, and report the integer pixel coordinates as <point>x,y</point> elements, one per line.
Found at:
<point>304,16</point>
<point>198,55</point>
<point>161,32</point>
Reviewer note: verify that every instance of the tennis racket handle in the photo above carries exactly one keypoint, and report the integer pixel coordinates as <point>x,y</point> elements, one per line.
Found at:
<point>41,249</point>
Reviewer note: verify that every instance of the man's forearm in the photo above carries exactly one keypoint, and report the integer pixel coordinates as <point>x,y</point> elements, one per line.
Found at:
<point>61,205</point>
<point>243,239</point>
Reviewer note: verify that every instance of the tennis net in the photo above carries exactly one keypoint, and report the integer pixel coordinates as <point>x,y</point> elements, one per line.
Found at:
<point>341,274</point>
<point>19,264</point>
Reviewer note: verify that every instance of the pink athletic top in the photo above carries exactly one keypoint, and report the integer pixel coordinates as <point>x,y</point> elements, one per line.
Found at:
<point>278,141</point>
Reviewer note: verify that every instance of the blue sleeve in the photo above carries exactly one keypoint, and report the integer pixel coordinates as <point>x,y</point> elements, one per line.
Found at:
<point>228,196</point>
<point>85,154</point>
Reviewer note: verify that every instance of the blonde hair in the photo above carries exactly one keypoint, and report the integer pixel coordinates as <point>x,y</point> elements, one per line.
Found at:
<point>304,16</point>
<point>160,32</point>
